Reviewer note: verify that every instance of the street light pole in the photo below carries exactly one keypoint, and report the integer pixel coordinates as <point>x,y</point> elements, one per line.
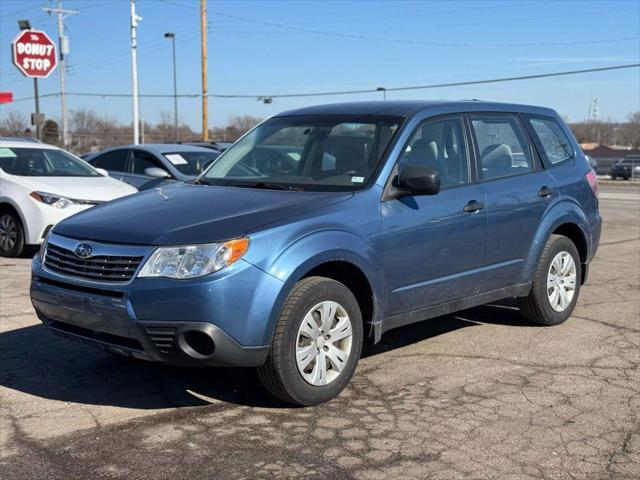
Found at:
<point>172,36</point>
<point>134,72</point>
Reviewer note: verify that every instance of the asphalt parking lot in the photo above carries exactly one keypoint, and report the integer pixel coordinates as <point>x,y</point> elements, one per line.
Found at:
<point>480,394</point>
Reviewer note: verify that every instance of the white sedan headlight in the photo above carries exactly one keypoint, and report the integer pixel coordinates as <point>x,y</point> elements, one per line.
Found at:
<point>190,261</point>
<point>56,201</point>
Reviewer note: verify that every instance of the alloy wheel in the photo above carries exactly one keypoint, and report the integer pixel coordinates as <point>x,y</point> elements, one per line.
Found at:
<point>8,233</point>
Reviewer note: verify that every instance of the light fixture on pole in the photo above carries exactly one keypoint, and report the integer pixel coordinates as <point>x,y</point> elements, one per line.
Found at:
<point>384,92</point>
<point>172,36</point>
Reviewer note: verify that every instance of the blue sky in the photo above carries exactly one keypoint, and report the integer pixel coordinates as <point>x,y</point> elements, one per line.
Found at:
<point>363,44</point>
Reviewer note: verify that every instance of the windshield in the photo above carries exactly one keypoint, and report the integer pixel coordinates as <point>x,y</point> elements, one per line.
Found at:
<point>40,162</point>
<point>323,153</point>
<point>630,161</point>
<point>191,163</point>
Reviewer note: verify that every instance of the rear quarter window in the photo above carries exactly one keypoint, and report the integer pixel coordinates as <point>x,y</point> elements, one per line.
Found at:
<point>554,142</point>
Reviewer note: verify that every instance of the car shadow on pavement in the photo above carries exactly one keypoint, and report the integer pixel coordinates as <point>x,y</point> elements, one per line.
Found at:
<point>34,361</point>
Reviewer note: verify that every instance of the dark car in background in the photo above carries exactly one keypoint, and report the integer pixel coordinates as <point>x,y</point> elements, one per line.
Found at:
<point>628,167</point>
<point>148,166</point>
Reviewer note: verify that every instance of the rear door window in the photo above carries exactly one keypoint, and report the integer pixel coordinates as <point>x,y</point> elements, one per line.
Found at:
<point>555,144</point>
<point>503,149</point>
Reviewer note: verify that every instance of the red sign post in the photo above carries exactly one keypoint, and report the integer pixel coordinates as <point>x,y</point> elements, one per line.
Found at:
<point>34,54</point>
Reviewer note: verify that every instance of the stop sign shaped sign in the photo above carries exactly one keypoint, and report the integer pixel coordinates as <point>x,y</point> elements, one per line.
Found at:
<point>34,53</point>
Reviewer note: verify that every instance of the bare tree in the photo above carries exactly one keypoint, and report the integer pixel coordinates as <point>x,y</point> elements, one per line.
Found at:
<point>629,133</point>
<point>236,127</point>
<point>165,129</point>
<point>14,123</point>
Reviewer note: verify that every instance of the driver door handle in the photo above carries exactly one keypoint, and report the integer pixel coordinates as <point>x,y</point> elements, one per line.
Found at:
<point>545,192</point>
<point>473,206</point>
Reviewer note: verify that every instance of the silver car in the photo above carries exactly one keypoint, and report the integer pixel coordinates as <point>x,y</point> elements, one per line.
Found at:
<point>150,165</point>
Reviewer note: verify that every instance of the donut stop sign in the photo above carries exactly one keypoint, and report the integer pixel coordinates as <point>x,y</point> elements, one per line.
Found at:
<point>34,54</point>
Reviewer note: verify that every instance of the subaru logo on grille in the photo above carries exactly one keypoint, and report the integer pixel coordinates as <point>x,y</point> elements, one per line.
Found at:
<point>83,250</point>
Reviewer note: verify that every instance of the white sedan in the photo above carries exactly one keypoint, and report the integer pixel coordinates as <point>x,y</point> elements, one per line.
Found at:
<point>41,185</point>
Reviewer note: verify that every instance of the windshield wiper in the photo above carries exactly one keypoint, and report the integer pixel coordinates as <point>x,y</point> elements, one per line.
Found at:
<point>199,181</point>
<point>263,185</point>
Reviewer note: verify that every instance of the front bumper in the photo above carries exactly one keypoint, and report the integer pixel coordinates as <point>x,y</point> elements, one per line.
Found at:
<point>222,320</point>
<point>40,218</point>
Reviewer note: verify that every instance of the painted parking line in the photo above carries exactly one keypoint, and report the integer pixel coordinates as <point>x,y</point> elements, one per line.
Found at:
<point>626,197</point>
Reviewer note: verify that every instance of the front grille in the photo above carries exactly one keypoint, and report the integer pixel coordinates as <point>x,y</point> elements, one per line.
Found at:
<point>162,337</point>
<point>106,268</point>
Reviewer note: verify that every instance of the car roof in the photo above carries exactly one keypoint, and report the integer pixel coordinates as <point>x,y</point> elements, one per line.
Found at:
<point>158,148</point>
<point>409,108</point>
<point>19,143</point>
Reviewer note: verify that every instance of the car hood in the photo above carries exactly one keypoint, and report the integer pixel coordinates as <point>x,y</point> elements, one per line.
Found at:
<point>99,189</point>
<point>186,214</point>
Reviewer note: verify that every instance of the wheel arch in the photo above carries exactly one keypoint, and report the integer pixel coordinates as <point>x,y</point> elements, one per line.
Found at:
<point>6,204</point>
<point>356,281</point>
<point>343,265</point>
<point>565,219</point>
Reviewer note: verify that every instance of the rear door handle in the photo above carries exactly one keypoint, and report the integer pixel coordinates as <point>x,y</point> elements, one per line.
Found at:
<point>473,206</point>
<point>545,192</point>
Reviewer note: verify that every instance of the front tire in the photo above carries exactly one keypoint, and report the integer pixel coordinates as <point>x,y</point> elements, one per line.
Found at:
<point>556,284</point>
<point>316,345</point>
<point>11,234</point>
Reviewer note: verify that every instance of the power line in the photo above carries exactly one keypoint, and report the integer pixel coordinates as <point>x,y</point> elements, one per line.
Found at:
<point>350,92</point>
<point>407,41</point>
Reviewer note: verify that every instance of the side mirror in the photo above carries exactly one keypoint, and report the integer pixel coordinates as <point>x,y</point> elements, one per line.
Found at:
<point>102,172</point>
<point>418,181</point>
<point>156,172</point>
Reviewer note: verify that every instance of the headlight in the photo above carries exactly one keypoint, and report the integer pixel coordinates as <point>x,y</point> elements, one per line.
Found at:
<point>56,201</point>
<point>191,261</point>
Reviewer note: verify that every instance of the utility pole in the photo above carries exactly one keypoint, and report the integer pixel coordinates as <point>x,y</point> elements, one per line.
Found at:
<point>172,36</point>
<point>134,71</point>
<point>203,34</point>
<point>63,47</point>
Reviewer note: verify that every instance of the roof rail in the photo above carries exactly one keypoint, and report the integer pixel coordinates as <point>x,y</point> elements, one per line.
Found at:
<point>20,139</point>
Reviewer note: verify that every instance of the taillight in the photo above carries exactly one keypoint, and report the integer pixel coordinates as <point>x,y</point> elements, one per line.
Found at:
<point>593,181</point>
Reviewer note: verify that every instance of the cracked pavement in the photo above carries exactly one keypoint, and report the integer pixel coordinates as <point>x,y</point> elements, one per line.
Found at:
<point>476,395</point>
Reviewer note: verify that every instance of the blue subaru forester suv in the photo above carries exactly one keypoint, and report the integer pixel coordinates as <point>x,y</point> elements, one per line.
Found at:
<point>323,228</point>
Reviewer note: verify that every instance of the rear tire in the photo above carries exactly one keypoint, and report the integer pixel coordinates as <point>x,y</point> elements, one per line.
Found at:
<point>11,233</point>
<point>556,284</point>
<point>316,345</point>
